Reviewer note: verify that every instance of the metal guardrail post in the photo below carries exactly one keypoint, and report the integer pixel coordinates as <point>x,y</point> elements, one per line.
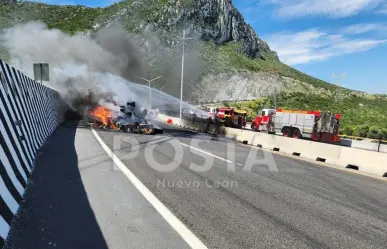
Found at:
<point>379,145</point>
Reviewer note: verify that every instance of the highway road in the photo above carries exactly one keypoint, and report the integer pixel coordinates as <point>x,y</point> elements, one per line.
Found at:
<point>77,198</point>
<point>292,204</point>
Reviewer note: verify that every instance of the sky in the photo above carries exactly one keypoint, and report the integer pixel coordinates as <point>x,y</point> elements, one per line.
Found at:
<point>339,41</point>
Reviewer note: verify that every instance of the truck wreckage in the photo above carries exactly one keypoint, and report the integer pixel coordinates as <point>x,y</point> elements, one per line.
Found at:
<point>130,118</point>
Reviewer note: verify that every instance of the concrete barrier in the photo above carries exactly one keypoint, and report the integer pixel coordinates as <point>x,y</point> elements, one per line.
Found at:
<point>30,113</point>
<point>366,161</point>
<point>365,145</point>
<point>363,160</point>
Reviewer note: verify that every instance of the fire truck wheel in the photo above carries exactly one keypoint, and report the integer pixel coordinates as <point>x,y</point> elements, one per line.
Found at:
<point>286,132</point>
<point>296,134</point>
<point>253,127</point>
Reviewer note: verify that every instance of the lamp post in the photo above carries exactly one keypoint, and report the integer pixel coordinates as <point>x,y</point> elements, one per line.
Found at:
<point>182,69</point>
<point>150,90</point>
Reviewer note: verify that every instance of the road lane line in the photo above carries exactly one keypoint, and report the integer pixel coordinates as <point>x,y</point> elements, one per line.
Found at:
<point>175,223</point>
<point>205,152</point>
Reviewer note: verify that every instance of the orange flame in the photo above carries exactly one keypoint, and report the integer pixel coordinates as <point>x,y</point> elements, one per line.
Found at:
<point>104,116</point>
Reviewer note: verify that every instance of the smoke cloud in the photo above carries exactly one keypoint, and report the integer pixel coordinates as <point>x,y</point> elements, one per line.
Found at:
<point>109,61</point>
<point>105,63</point>
<point>77,63</point>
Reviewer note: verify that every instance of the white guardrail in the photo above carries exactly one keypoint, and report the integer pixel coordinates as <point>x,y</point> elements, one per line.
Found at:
<point>370,162</point>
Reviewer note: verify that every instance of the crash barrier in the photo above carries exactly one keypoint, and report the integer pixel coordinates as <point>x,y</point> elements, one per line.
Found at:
<point>185,115</point>
<point>370,162</point>
<point>373,145</point>
<point>30,112</point>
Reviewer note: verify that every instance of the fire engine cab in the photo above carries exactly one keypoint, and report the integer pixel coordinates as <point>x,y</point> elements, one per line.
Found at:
<point>264,121</point>
<point>231,117</point>
<point>315,125</point>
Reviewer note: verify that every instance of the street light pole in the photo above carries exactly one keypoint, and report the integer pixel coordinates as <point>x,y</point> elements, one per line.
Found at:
<point>182,75</point>
<point>182,70</point>
<point>149,87</point>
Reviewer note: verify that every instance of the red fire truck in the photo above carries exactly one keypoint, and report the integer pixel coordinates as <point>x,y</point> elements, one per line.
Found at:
<point>230,116</point>
<point>315,125</point>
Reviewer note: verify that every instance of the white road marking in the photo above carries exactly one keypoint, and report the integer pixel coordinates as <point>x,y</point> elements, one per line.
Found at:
<point>205,152</point>
<point>175,223</point>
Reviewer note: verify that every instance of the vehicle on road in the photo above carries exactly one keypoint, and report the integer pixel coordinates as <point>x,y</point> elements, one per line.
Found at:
<point>130,119</point>
<point>229,116</point>
<point>314,125</point>
<point>131,125</point>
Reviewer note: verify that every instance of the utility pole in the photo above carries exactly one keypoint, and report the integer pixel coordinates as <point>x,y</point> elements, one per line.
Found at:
<point>182,70</point>
<point>182,75</point>
<point>380,140</point>
<point>150,89</point>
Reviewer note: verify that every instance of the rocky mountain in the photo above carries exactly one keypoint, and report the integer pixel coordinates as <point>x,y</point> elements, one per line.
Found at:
<point>225,57</point>
<point>212,20</point>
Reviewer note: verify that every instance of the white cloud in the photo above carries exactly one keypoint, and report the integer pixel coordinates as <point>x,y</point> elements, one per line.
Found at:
<point>316,45</point>
<point>331,8</point>
<point>363,28</point>
<point>383,9</point>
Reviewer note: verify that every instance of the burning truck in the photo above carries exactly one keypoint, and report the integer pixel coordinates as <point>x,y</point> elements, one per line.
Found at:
<point>130,118</point>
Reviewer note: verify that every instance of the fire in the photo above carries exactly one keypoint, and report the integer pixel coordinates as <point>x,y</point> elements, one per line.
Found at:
<point>104,116</point>
<point>102,113</point>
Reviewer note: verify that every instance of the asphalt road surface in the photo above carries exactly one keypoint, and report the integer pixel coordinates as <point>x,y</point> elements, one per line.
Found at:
<point>286,204</point>
<point>78,198</point>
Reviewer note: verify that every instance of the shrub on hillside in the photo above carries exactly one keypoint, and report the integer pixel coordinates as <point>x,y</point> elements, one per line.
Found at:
<point>383,134</point>
<point>348,130</point>
<point>374,133</point>
<point>362,131</point>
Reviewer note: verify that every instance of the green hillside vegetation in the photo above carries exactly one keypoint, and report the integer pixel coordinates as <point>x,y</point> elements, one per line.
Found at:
<point>72,19</point>
<point>227,57</point>
<point>362,116</point>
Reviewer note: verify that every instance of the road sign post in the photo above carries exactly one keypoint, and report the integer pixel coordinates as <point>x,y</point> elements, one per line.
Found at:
<point>41,72</point>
